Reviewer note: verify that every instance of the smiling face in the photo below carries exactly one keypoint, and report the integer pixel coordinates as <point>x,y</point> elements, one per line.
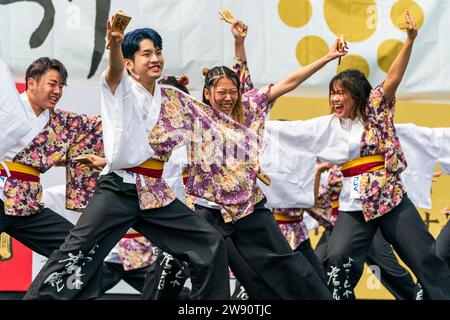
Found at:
<point>147,63</point>
<point>45,93</point>
<point>223,95</point>
<point>341,101</point>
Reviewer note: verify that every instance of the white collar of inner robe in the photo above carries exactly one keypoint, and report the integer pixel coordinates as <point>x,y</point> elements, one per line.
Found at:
<point>37,124</point>
<point>344,141</point>
<point>149,105</point>
<point>43,117</point>
<point>128,116</point>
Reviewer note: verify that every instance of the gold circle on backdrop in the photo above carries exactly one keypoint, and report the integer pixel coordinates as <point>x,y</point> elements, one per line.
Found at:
<point>387,52</point>
<point>295,13</point>
<point>356,20</point>
<point>354,61</point>
<point>309,49</point>
<point>398,12</point>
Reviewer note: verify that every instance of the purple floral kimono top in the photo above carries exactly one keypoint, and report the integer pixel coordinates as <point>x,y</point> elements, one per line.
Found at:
<point>64,133</point>
<point>136,253</point>
<point>329,191</point>
<point>381,190</point>
<point>295,232</point>
<point>255,108</point>
<point>213,173</point>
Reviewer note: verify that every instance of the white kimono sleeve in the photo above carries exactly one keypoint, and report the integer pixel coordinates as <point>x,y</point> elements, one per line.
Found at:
<point>124,131</point>
<point>420,150</point>
<point>443,136</point>
<point>173,172</point>
<point>14,122</point>
<point>290,160</point>
<point>290,180</point>
<point>310,222</point>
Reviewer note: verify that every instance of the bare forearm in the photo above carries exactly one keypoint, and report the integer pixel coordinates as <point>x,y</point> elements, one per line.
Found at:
<point>116,58</point>
<point>115,67</point>
<point>293,80</point>
<point>297,78</point>
<point>239,50</point>
<point>316,187</point>
<point>398,67</point>
<point>397,70</point>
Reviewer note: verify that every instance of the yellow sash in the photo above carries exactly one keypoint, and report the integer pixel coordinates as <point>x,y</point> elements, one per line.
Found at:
<point>22,168</point>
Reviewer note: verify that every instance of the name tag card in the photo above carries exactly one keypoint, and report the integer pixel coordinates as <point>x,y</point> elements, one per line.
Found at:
<point>354,193</point>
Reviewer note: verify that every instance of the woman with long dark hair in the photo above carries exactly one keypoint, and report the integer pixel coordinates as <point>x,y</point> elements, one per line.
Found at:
<point>373,196</point>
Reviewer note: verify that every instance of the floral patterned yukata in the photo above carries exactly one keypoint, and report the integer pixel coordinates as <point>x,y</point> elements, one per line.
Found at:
<point>381,190</point>
<point>64,132</point>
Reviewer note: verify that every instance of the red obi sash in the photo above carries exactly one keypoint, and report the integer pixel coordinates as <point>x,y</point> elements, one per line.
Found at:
<point>20,171</point>
<point>361,165</point>
<point>150,168</point>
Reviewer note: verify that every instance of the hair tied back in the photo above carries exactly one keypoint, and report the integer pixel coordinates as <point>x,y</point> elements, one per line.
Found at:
<point>183,80</point>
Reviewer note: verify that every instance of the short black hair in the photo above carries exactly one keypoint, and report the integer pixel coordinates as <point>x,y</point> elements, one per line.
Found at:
<point>132,39</point>
<point>41,66</point>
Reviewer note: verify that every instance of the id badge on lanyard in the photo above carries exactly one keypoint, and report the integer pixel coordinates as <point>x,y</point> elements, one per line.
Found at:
<point>354,193</point>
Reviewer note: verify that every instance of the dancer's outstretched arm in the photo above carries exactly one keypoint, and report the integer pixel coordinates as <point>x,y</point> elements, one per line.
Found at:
<point>398,67</point>
<point>293,80</point>
<point>114,72</point>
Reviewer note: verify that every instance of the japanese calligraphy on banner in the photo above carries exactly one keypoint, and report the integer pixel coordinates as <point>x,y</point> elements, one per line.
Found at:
<point>284,35</point>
